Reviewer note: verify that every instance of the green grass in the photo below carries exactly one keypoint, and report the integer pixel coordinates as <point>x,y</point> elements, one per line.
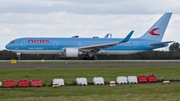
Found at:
<point>142,92</point>
<point>70,74</point>
<point>155,92</point>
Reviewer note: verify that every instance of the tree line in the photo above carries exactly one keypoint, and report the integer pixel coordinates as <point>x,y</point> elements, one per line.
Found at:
<point>173,53</point>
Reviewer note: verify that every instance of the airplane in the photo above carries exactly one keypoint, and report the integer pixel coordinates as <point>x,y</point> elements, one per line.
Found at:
<point>107,35</point>
<point>88,48</point>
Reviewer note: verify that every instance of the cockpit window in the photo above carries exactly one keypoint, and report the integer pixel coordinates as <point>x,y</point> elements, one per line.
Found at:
<point>12,42</point>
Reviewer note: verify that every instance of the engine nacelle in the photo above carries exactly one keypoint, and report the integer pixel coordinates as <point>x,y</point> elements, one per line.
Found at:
<point>70,52</point>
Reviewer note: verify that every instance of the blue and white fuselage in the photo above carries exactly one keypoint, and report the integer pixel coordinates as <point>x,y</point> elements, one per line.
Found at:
<point>89,47</point>
<point>57,45</point>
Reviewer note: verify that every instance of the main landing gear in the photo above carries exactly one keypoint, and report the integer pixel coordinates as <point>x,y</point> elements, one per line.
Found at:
<point>88,57</point>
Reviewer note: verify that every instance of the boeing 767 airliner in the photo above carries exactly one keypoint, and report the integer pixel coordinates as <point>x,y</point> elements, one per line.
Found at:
<point>88,48</point>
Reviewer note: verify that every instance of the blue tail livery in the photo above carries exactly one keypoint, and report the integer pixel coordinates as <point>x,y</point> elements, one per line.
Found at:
<point>88,48</point>
<point>107,35</point>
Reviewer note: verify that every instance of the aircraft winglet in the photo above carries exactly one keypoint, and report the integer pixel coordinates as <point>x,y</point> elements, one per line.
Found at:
<point>126,39</point>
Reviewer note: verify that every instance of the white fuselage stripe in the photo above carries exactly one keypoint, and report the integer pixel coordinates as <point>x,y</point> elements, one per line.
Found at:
<point>103,52</point>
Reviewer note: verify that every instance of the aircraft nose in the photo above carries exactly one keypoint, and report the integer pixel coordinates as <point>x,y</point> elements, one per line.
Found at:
<point>8,46</point>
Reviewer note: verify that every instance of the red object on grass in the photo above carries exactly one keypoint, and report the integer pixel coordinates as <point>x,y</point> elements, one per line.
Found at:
<point>142,79</point>
<point>9,83</point>
<point>151,78</point>
<point>36,83</point>
<point>23,83</point>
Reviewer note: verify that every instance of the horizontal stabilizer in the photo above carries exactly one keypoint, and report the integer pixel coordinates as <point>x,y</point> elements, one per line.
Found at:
<point>160,43</point>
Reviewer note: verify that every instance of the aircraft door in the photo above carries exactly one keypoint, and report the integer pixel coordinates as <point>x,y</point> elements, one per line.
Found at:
<point>23,43</point>
<point>79,44</point>
<point>55,43</point>
<point>136,44</point>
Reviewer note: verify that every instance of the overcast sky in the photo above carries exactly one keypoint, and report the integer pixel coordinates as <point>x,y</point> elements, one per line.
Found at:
<point>86,18</point>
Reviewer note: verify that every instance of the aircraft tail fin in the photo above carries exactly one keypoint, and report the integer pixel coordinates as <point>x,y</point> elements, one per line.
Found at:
<point>107,35</point>
<point>156,32</point>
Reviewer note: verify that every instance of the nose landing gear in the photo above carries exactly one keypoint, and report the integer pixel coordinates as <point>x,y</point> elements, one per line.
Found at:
<point>18,56</point>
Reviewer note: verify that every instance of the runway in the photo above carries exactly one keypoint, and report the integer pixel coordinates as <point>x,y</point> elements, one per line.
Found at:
<point>106,63</point>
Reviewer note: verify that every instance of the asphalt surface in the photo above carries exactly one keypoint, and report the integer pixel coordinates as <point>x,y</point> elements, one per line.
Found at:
<point>88,64</point>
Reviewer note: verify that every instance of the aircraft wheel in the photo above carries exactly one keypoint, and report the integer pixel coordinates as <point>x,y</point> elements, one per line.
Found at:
<point>84,58</point>
<point>18,56</point>
<point>88,58</point>
<point>92,58</point>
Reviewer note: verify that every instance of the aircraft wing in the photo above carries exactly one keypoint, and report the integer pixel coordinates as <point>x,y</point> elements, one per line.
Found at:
<point>160,43</point>
<point>105,45</point>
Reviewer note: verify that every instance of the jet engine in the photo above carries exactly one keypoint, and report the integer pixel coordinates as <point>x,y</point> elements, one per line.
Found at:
<point>70,52</point>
